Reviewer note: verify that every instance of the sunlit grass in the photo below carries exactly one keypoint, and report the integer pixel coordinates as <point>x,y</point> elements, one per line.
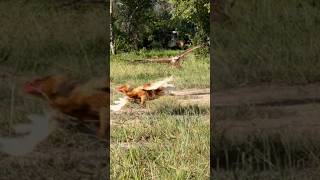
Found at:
<point>195,71</point>
<point>161,147</point>
<point>171,140</point>
<point>267,41</point>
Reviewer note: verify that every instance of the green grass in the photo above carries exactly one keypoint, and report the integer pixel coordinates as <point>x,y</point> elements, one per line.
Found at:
<point>163,147</point>
<point>194,74</point>
<point>274,42</point>
<point>38,38</point>
<point>266,156</point>
<point>171,141</point>
<point>267,41</point>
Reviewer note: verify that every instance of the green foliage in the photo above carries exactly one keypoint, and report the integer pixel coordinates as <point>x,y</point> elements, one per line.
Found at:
<point>196,12</point>
<point>131,21</point>
<point>149,23</point>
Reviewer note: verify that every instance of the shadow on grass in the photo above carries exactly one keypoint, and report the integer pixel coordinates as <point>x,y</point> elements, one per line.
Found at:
<point>248,112</point>
<point>261,152</point>
<point>169,106</point>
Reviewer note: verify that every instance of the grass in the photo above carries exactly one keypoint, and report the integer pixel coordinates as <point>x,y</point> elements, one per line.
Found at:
<point>42,38</point>
<point>194,74</point>
<point>267,41</point>
<point>169,141</point>
<point>263,155</point>
<point>161,147</point>
<point>262,141</point>
<point>38,39</point>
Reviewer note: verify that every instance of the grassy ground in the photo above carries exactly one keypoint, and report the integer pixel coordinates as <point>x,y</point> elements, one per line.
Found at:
<point>38,39</point>
<point>267,143</point>
<point>194,74</point>
<point>266,42</point>
<point>41,38</point>
<point>171,141</point>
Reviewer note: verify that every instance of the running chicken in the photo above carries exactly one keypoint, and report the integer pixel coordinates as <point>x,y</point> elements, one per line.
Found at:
<point>76,100</point>
<point>143,93</point>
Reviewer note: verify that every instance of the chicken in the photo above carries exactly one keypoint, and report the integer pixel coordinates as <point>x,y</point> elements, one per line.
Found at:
<point>77,100</point>
<point>145,92</point>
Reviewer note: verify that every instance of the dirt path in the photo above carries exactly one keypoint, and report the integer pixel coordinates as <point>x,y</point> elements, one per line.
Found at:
<point>193,96</point>
<point>186,96</point>
<point>269,94</point>
<point>262,95</point>
<point>269,109</point>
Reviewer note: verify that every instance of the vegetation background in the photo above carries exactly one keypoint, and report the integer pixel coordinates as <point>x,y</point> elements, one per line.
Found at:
<point>258,45</point>
<point>253,41</point>
<point>168,139</point>
<point>54,36</point>
<point>149,23</point>
<point>267,41</point>
<point>39,38</point>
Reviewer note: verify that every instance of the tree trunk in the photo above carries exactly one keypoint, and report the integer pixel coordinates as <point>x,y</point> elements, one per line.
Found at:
<point>112,46</point>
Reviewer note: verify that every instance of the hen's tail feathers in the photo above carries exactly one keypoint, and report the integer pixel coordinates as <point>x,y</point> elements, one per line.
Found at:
<point>119,104</point>
<point>160,84</point>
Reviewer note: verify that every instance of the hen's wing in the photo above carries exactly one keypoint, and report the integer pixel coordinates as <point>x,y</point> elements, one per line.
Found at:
<point>160,84</point>
<point>119,104</point>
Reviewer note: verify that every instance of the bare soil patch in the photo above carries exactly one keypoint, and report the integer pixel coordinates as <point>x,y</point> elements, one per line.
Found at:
<point>269,109</point>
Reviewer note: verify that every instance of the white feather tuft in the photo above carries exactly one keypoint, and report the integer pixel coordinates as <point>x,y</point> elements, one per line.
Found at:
<point>39,128</point>
<point>119,104</point>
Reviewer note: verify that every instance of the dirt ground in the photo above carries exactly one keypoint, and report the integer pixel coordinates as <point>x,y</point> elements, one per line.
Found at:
<point>269,108</point>
<point>71,154</point>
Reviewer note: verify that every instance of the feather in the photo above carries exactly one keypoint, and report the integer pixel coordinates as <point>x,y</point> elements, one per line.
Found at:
<point>119,104</point>
<point>39,128</point>
<point>160,84</point>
